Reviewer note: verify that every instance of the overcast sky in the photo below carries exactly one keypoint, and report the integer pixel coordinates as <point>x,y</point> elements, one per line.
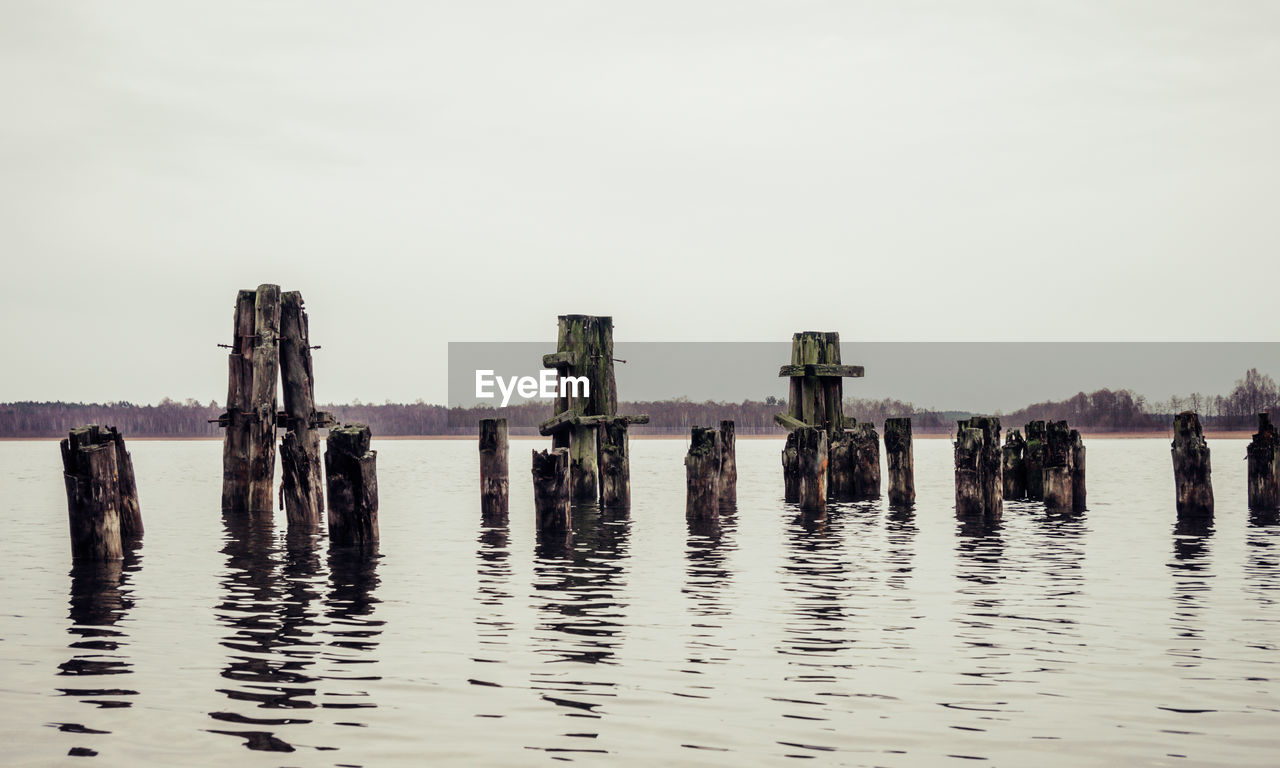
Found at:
<point>466,171</point>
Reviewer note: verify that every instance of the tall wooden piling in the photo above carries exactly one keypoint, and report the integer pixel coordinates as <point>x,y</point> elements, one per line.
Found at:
<point>728,463</point>
<point>865,460</point>
<point>790,469</point>
<point>1014,465</point>
<point>1263,455</point>
<point>249,447</point>
<point>615,464</point>
<point>301,483</point>
<point>494,479</point>
<point>351,471</point>
<point>551,492</point>
<point>900,460</point>
<point>1191,469</point>
<point>840,472</point>
<point>1057,468</point>
<point>979,487</point>
<point>91,476</point>
<point>1078,489</point>
<point>238,418</point>
<point>811,450</point>
<point>1036,447</point>
<point>702,474</point>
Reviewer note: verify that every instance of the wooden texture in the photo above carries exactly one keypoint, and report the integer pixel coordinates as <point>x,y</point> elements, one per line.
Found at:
<point>494,471</point>
<point>1192,472</point>
<point>728,463</point>
<point>1013,467</point>
<point>1079,493</point>
<point>239,416</point>
<point>900,461</point>
<point>1036,447</point>
<point>1057,489</point>
<point>266,372</point>
<point>840,484</point>
<point>551,497</point>
<point>301,485</point>
<point>979,486</point>
<point>1263,456</point>
<point>811,448</point>
<point>702,474</point>
<point>91,476</point>
<point>615,464</point>
<point>790,469</point>
<point>864,458</point>
<point>351,472</point>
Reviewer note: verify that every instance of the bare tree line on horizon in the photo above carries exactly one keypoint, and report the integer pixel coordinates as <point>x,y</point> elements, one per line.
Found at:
<point>1101,410</point>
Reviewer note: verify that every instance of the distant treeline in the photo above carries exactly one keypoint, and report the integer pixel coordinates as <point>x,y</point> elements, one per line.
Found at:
<point>1103,410</point>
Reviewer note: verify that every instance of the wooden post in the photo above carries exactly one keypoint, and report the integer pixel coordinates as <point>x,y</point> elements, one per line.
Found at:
<point>811,447</point>
<point>551,489</point>
<point>970,502</point>
<point>1035,460</point>
<point>238,418</point>
<point>615,464</point>
<point>1057,468</point>
<point>1191,469</point>
<point>900,459</point>
<point>494,480</point>
<point>301,485</point>
<point>702,474</point>
<point>1078,495</point>
<point>790,470</point>
<point>1014,466</point>
<point>1263,455</point>
<point>841,468</point>
<point>266,370</point>
<point>350,468</point>
<point>865,459</point>
<point>728,464</point>
<point>91,477</point>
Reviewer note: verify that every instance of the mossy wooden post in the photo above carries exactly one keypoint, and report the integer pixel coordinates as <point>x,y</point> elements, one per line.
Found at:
<point>979,487</point>
<point>840,472</point>
<point>1014,465</point>
<point>900,459</point>
<point>351,471</point>
<point>1191,469</point>
<point>790,470</point>
<point>1057,467</point>
<point>615,464</point>
<point>91,476</point>
<point>1263,455</point>
<point>494,478</point>
<point>301,485</point>
<point>551,494</point>
<point>728,463</point>
<point>1035,460</point>
<point>811,449</point>
<point>816,399</point>
<point>584,353</point>
<point>865,461</point>
<point>1078,490</point>
<point>702,474</point>
<point>239,416</point>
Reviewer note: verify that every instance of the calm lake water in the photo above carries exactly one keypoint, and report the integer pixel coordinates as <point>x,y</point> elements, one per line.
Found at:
<point>881,638</point>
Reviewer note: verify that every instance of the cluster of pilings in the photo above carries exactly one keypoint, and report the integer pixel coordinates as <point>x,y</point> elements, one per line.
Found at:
<point>270,342</point>
<point>711,473</point>
<point>102,493</point>
<point>1048,466</point>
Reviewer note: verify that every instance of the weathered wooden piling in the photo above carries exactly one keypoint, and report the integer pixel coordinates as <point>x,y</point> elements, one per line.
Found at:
<point>494,479</point>
<point>249,447</point>
<point>702,474</point>
<point>1078,490</point>
<point>811,451</point>
<point>728,463</point>
<point>615,464</point>
<point>1014,465</point>
<point>864,456</point>
<point>790,469</point>
<point>1263,455</point>
<point>551,492</point>
<point>840,461</point>
<point>91,476</point>
<point>1035,460</point>
<point>1191,469</point>
<point>301,485</point>
<point>900,460</point>
<point>350,469</point>
<point>979,487</point>
<point>1057,467</point>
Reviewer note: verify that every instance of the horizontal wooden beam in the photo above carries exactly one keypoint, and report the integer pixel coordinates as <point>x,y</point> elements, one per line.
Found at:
<point>557,359</point>
<point>790,422</point>
<point>571,419</point>
<point>823,369</point>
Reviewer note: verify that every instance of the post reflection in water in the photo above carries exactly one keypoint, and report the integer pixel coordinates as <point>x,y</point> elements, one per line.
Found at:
<point>1262,560</point>
<point>281,650</point>
<point>900,526</point>
<point>577,578</point>
<point>493,591</point>
<point>1190,569</point>
<point>100,599</point>
<point>706,580</point>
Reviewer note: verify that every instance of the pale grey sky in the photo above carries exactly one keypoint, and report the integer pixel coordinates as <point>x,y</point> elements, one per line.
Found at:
<point>465,171</point>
